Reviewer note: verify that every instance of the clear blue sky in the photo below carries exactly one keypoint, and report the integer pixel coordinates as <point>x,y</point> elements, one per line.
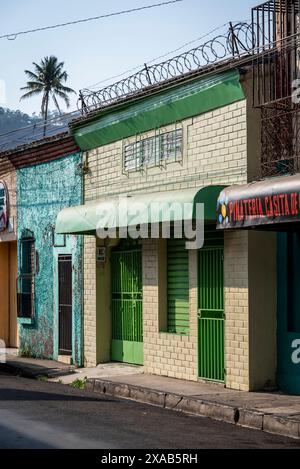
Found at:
<point>98,50</point>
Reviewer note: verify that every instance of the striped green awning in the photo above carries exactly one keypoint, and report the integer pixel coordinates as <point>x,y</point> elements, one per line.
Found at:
<point>140,209</point>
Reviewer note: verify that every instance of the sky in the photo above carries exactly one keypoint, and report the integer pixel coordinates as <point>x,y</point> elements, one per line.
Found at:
<point>95,51</point>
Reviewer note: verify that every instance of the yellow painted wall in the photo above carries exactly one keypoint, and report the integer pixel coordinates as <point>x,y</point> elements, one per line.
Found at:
<point>262,309</point>
<point>8,295</point>
<point>13,273</point>
<point>103,320</point>
<point>4,292</point>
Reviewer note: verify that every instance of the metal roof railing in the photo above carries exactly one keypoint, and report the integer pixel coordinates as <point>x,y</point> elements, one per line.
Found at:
<point>237,40</point>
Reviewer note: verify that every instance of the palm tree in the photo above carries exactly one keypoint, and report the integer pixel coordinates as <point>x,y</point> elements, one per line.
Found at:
<point>48,79</point>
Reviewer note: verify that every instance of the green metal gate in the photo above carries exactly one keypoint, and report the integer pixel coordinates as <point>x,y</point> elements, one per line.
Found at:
<point>127,306</point>
<point>211,309</point>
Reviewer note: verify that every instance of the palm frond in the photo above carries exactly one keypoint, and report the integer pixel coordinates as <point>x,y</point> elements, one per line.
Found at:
<point>56,103</point>
<point>33,85</point>
<point>30,94</point>
<point>32,75</point>
<point>62,96</point>
<point>48,77</point>
<point>64,89</point>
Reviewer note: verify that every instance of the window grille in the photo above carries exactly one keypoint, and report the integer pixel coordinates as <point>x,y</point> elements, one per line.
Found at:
<point>153,151</point>
<point>26,279</point>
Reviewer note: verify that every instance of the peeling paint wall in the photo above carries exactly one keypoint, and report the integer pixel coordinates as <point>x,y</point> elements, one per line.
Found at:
<point>42,191</point>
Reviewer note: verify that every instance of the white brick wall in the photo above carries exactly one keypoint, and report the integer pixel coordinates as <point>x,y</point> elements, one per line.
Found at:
<point>167,354</point>
<point>215,151</point>
<point>236,310</point>
<point>90,324</point>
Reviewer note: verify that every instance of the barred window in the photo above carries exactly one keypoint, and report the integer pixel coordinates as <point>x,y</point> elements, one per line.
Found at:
<point>154,151</point>
<point>26,280</point>
<point>2,198</point>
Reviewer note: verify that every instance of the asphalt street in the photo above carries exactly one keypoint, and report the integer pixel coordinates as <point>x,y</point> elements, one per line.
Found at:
<point>41,415</point>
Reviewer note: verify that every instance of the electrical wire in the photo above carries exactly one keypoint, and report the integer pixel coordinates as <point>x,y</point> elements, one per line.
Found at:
<point>149,62</point>
<point>59,123</point>
<point>13,36</point>
<point>39,126</point>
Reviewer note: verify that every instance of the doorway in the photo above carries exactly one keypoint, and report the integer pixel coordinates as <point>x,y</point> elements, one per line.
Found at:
<point>211,316</point>
<point>8,294</point>
<point>127,306</point>
<point>65,304</point>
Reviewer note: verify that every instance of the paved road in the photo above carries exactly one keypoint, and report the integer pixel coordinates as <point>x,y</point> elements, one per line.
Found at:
<point>36,414</point>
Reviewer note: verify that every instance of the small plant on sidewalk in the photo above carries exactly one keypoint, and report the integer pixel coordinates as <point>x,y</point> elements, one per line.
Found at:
<point>79,383</point>
<point>24,352</point>
<point>43,378</point>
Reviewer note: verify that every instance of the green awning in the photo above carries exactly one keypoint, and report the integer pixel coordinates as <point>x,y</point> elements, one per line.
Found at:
<point>163,108</point>
<point>140,209</point>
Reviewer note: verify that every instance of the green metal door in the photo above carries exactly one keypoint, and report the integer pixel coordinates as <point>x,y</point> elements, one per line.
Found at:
<point>211,309</point>
<point>126,306</point>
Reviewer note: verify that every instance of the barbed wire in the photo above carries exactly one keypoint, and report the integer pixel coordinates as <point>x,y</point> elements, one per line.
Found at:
<point>237,40</point>
<point>160,57</point>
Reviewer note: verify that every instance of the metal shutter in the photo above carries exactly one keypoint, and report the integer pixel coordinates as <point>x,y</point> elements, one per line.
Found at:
<point>178,286</point>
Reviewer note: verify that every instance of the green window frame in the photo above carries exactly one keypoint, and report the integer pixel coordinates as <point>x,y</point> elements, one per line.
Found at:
<point>178,315</point>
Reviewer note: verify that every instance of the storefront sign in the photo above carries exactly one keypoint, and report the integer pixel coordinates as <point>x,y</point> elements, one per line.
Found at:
<point>3,206</point>
<point>274,201</point>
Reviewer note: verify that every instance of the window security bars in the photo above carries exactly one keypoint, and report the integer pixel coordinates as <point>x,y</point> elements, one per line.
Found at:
<point>276,46</point>
<point>26,279</point>
<point>280,139</point>
<point>158,150</point>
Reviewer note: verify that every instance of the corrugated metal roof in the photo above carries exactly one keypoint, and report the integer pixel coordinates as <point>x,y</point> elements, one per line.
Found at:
<point>35,133</point>
<point>38,152</point>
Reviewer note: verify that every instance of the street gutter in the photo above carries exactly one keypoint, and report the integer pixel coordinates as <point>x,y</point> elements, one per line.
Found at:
<point>240,416</point>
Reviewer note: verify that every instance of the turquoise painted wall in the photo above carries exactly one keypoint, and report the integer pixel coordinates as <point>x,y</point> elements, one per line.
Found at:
<point>42,191</point>
<point>288,322</point>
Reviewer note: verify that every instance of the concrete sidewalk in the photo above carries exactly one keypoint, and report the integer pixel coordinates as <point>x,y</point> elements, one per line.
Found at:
<point>271,412</point>
<point>35,368</point>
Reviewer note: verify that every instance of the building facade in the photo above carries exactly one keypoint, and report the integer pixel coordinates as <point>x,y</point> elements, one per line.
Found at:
<point>183,314</point>
<point>49,285</point>
<point>269,206</point>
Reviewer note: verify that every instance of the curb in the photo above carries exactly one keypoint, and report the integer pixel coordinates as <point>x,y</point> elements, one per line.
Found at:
<point>269,423</point>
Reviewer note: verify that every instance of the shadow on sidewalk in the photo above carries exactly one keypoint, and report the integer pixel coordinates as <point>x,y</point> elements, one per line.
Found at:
<point>11,394</point>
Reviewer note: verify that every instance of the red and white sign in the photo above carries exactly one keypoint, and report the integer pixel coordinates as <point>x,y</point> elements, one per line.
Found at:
<point>3,206</point>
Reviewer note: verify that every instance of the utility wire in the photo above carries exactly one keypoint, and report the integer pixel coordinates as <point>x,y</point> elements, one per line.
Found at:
<point>59,122</point>
<point>68,116</point>
<point>149,62</point>
<point>14,36</point>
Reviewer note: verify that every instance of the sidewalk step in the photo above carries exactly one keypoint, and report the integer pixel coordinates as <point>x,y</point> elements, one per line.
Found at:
<point>30,370</point>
